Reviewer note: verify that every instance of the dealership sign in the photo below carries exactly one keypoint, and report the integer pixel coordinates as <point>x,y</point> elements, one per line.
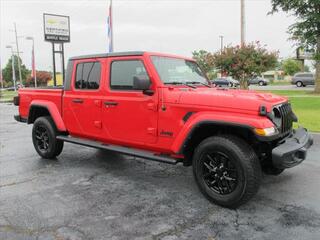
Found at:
<point>56,28</point>
<point>304,54</point>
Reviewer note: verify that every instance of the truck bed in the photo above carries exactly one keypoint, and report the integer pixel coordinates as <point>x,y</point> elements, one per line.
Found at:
<point>28,95</point>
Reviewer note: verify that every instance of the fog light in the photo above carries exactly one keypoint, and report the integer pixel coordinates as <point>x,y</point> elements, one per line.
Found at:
<point>265,131</point>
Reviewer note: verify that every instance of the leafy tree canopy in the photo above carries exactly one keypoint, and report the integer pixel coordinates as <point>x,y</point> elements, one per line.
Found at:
<point>7,71</point>
<point>291,66</point>
<point>246,61</point>
<point>204,60</point>
<point>306,29</point>
<point>42,79</point>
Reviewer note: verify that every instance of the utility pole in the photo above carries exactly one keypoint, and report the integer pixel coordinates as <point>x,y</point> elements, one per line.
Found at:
<point>243,23</point>
<point>17,44</point>
<point>221,43</point>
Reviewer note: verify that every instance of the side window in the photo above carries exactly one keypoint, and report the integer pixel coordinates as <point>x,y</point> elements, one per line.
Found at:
<point>305,75</point>
<point>88,75</point>
<point>123,72</point>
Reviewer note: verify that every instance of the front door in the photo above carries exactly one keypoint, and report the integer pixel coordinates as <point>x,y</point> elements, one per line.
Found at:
<point>82,106</point>
<point>129,116</point>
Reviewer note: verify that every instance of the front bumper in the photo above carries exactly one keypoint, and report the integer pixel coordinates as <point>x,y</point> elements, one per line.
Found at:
<point>293,150</point>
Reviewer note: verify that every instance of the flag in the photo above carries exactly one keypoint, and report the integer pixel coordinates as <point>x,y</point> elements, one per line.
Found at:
<point>110,30</point>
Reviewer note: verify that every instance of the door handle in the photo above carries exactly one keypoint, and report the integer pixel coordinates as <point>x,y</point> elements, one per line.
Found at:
<point>77,100</point>
<point>110,103</point>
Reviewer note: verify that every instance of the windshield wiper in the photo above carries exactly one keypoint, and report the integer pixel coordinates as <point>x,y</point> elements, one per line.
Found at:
<point>180,83</point>
<point>204,84</point>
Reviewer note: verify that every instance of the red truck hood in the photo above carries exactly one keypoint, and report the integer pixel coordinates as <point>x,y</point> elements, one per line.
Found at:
<point>229,98</point>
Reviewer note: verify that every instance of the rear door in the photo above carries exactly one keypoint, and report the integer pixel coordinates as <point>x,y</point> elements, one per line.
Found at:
<point>305,78</point>
<point>82,102</point>
<point>129,116</point>
<point>310,79</point>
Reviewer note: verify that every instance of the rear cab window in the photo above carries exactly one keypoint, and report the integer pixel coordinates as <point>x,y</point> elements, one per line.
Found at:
<point>88,75</point>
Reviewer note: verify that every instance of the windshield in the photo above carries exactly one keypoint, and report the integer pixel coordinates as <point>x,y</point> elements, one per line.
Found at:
<point>178,71</point>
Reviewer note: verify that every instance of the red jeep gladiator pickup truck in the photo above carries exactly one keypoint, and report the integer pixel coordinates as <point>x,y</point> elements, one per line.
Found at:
<point>162,107</point>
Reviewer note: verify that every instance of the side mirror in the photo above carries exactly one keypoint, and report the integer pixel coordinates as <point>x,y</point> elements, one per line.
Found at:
<point>141,82</point>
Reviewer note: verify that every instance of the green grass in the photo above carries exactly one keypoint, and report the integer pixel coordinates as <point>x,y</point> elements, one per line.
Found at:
<point>283,83</point>
<point>290,93</point>
<point>6,96</point>
<point>306,106</point>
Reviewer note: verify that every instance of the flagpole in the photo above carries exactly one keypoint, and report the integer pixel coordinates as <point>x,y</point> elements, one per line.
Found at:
<point>111,25</point>
<point>33,62</point>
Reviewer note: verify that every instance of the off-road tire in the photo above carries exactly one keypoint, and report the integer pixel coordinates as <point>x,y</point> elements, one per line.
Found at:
<point>44,129</point>
<point>246,165</point>
<point>261,83</point>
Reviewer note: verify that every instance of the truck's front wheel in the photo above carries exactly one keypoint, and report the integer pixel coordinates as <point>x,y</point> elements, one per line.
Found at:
<point>44,134</point>
<point>227,170</point>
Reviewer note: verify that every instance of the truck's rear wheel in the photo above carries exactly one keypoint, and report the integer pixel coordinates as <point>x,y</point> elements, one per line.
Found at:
<point>44,134</point>
<point>227,170</point>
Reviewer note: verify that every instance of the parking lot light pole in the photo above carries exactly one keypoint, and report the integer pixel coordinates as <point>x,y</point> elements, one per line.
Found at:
<point>13,70</point>
<point>221,43</point>
<point>33,64</point>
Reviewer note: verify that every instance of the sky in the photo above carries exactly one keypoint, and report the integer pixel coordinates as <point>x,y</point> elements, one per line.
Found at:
<point>170,26</point>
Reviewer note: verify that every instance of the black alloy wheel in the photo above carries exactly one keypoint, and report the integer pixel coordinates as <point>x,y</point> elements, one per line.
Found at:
<point>42,138</point>
<point>227,170</point>
<point>219,173</point>
<point>44,133</point>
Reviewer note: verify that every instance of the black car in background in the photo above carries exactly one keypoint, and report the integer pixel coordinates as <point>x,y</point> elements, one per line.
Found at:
<point>225,82</point>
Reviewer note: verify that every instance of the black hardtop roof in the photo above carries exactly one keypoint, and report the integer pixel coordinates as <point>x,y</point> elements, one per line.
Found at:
<point>104,55</point>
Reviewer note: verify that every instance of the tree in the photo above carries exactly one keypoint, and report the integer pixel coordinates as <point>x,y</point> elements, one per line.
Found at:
<point>291,66</point>
<point>7,71</point>
<point>306,30</point>
<point>245,62</point>
<point>42,79</point>
<point>204,60</point>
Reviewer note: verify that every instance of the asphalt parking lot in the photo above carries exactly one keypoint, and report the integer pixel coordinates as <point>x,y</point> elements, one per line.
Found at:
<point>92,194</point>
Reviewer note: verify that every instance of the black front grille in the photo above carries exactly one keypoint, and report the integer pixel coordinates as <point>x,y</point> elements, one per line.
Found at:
<point>286,118</point>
